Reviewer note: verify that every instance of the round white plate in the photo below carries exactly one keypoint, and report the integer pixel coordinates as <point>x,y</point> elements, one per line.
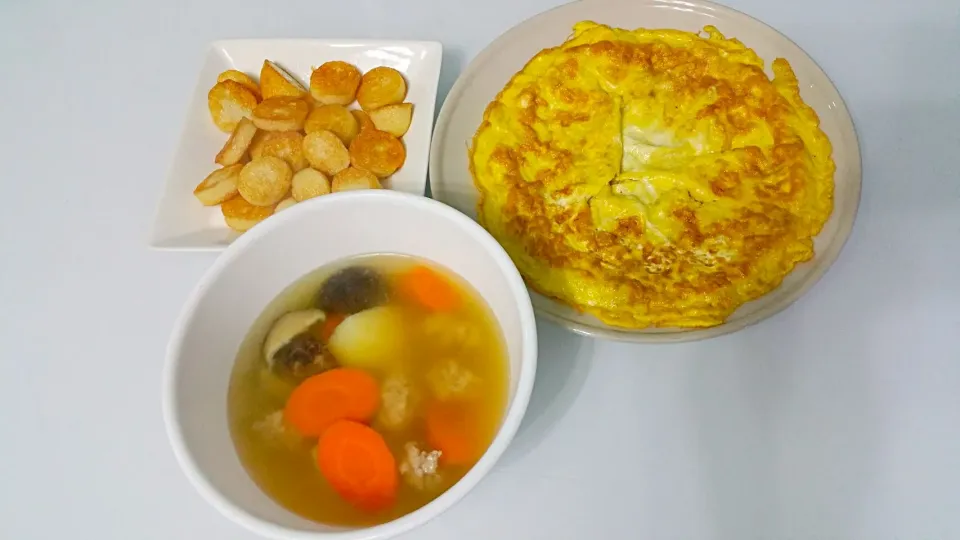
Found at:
<point>451,182</point>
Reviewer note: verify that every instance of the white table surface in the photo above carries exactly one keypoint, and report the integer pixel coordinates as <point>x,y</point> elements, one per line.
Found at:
<point>838,419</point>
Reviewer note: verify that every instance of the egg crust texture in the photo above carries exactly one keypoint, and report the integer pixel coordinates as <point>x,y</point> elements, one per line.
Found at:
<point>653,178</point>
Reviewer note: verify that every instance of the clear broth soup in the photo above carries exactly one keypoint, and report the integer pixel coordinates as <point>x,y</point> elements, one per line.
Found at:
<point>390,407</point>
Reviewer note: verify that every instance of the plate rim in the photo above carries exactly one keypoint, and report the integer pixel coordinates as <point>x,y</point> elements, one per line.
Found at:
<point>826,258</point>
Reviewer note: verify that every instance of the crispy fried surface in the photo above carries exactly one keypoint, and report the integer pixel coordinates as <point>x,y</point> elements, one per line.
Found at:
<point>286,145</point>
<point>653,178</point>
<point>378,152</point>
<point>276,82</point>
<point>265,181</point>
<point>325,152</point>
<point>381,86</point>
<point>335,118</point>
<point>394,119</point>
<point>218,186</point>
<point>228,102</point>
<point>354,178</point>
<point>238,143</point>
<point>309,183</point>
<point>282,113</point>
<point>335,83</point>
<point>240,215</point>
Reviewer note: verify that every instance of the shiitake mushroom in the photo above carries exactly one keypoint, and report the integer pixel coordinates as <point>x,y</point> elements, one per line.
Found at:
<point>291,348</point>
<point>352,290</point>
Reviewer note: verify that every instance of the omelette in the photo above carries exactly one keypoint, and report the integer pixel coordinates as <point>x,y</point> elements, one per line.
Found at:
<point>652,178</point>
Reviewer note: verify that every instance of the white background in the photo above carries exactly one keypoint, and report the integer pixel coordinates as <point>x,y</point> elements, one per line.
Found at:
<point>838,419</point>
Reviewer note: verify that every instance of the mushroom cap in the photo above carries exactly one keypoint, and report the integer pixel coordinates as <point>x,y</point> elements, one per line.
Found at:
<point>287,327</point>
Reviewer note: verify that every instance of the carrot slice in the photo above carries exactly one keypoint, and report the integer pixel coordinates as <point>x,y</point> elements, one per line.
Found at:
<point>358,464</point>
<point>330,324</point>
<point>452,429</point>
<point>429,289</point>
<point>321,400</point>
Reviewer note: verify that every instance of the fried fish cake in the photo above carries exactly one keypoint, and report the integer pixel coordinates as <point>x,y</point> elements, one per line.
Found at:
<point>326,152</point>
<point>282,113</point>
<point>265,181</point>
<point>394,119</point>
<point>238,143</point>
<point>333,118</point>
<point>309,183</point>
<point>378,152</point>
<point>284,204</point>
<point>242,78</point>
<point>286,145</point>
<point>218,186</point>
<point>240,215</point>
<point>353,178</point>
<point>276,81</point>
<point>335,83</point>
<point>363,119</point>
<point>381,86</point>
<point>228,102</point>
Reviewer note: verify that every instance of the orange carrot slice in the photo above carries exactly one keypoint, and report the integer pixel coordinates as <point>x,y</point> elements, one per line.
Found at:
<point>358,464</point>
<point>321,400</point>
<point>428,288</point>
<point>330,324</point>
<point>452,429</point>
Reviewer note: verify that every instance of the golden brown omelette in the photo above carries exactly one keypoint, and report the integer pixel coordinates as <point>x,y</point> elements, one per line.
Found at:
<point>653,177</point>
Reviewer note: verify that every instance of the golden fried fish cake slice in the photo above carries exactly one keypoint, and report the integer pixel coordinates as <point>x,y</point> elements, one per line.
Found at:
<point>333,118</point>
<point>229,102</point>
<point>286,145</point>
<point>265,181</point>
<point>335,83</point>
<point>218,186</point>
<point>378,152</point>
<point>276,82</point>
<point>353,178</point>
<point>326,152</point>
<point>282,113</point>
<point>309,183</point>
<point>238,143</point>
<point>381,86</point>
<point>240,215</point>
<point>394,119</point>
<point>242,78</point>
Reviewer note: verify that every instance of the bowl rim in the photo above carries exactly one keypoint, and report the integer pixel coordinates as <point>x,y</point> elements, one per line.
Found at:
<point>824,258</point>
<point>509,425</point>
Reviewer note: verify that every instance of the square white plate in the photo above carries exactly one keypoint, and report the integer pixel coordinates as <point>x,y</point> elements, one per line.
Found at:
<point>182,223</point>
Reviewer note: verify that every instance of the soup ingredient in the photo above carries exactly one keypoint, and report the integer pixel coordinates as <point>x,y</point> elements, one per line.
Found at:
<point>381,86</point>
<point>394,119</point>
<point>448,379</point>
<point>285,329</point>
<point>275,81</point>
<point>241,215</point>
<point>286,145</point>
<point>329,325</point>
<point>396,402</point>
<point>429,289</point>
<point>452,429</point>
<point>242,78</point>
<point>449,333</point>
<point>236,146</point>
<point>419,468</point>
<point>265,181</point>
<point>229,102</point>
<point>335,82</point>
<point>334,118</point>
<point>326,152</point>
<point>351,290</point>
<point>371,339</point>
<point>358,464</point>
<point>281,114</point>
<point>309,183</point>
<point>353,178</point>
<point>378,152</point>
<point>338,394</point>
<point>276,432</point>
<point>218,186</point>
